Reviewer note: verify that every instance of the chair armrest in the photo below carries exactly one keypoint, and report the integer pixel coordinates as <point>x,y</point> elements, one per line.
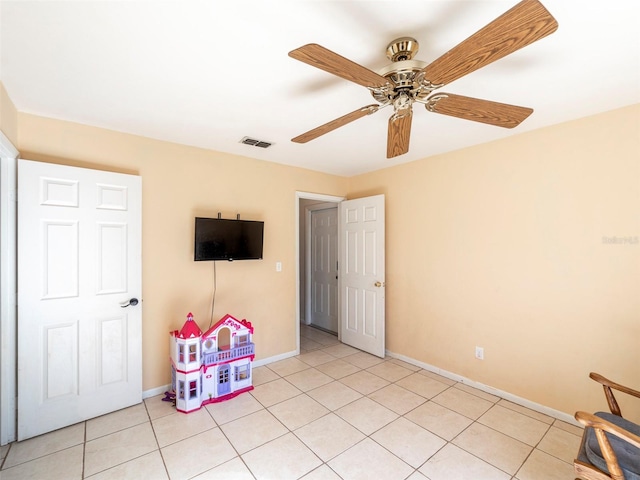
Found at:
<point>608,387</point>
<point>589,420</point>
<point>600,426</point>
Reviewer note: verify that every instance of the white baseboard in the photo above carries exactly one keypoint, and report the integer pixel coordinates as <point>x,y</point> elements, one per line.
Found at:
<point>277,358</point>
<point>155,391</point>
<point>536,407</point>
<point>565,417</point>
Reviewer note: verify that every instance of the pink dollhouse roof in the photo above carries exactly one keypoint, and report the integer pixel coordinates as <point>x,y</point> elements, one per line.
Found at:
<point>190,329</point>
<point>228,319</point>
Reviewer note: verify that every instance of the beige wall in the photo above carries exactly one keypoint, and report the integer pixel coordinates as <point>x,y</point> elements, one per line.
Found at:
<point>503,246</point>
<point>8,117</point>
<point>499,245</point>
<point>179,183</point>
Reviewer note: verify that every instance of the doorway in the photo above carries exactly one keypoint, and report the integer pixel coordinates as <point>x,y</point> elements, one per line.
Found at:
<point>361,257</point>
<point>321,280</point>
<point>305,204</point>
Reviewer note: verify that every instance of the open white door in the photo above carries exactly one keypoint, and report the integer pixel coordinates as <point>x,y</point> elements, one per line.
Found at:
<point>362,274</point>
<point>79,264</point>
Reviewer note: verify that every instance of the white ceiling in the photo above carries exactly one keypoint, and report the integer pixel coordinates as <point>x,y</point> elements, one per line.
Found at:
<point>207,73</point>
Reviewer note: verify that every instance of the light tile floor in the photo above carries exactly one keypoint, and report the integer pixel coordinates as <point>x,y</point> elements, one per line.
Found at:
<point>332,412</point>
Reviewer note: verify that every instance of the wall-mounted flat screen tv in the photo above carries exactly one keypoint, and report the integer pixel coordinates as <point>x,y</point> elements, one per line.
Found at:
<point>224,239</point>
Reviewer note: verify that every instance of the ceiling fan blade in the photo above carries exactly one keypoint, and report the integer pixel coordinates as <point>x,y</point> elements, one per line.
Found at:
<point>319,57</point>
<point>333,124</point>
<point>520,26</point>
<point>399,134</point>
<point>484,111</point>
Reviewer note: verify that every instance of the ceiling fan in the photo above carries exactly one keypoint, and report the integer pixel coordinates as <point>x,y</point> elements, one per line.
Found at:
<point>407,81</point>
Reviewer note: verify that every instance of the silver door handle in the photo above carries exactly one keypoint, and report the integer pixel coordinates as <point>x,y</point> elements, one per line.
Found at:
<point>133,302</point>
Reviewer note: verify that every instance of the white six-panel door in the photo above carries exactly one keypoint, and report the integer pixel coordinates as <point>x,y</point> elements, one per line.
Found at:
<point>324,268</point>
<point>79,262</point>
<point>362,274</point>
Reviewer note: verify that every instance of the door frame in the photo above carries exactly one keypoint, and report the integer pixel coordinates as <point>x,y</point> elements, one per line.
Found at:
<point>307,250</point>
<point>8,289</point>
<point>302,247</point>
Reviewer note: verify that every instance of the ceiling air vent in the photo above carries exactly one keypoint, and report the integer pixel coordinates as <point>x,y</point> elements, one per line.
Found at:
<point>255,143</point>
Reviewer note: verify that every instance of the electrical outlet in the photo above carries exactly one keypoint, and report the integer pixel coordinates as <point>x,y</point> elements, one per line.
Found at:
<point>278,266</point>
<point>480,353</point>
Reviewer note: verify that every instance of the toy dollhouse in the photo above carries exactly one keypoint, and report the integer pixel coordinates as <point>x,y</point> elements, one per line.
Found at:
<point>213,366</point>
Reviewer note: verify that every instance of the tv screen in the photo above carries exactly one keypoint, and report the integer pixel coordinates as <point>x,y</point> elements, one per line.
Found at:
<point>223,239</point>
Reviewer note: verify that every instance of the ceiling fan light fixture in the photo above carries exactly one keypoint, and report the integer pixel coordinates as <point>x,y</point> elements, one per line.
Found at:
<point>402,104</point>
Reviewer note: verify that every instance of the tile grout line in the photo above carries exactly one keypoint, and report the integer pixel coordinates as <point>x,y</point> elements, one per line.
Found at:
<point>155,436</point>
<point>6,456</point>
<point>239,456</point>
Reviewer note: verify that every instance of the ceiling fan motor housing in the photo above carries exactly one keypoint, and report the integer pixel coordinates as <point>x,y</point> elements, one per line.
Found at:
<point>406,76</point>
<point>403,48</point>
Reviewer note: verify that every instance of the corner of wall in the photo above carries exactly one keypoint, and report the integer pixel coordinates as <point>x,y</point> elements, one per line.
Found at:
<point>8,116</point>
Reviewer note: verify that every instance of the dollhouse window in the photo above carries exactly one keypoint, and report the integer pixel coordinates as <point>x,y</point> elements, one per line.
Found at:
<point>224,336</point>
<point>181,353</point>
<point>208,344</point>
<point>181,389</point>
<point>242,372</point>
<point>192,352</point>
<point>242,340</point>
<point>193,389</point>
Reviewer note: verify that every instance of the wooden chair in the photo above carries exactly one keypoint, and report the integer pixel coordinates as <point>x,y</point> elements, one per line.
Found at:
<point>610,448</point>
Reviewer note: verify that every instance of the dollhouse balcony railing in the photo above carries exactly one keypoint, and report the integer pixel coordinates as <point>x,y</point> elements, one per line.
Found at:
<point>227,355</point>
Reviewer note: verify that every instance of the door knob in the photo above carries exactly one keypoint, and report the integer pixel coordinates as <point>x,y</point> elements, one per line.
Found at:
<point>379,284</point>
<point>133,302</point>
